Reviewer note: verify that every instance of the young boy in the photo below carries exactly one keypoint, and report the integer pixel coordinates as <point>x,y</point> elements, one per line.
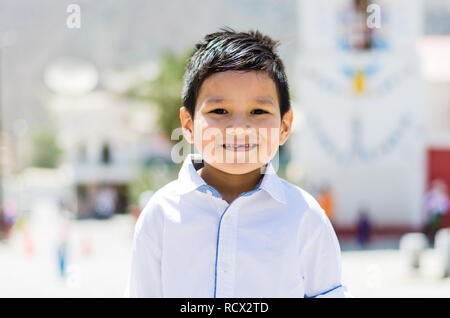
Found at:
<point>229,226</point>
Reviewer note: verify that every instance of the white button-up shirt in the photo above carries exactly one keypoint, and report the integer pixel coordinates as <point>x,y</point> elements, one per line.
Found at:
<point>273,241</point>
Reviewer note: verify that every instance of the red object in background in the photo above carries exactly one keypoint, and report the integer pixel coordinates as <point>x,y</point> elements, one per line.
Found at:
<point>439,168</point>
<point>135,212</point>
<point>28,242</point>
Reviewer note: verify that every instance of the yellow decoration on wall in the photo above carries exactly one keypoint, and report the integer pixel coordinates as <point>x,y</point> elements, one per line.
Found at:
<point>359,80</point>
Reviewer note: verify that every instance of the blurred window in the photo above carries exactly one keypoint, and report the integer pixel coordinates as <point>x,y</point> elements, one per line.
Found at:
<point>106,154</point>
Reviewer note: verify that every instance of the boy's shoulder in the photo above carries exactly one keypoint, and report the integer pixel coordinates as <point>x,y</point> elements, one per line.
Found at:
<point>299,195</point>
<point>168,190</point>
<point>154,208</point>
<point>303,201</point>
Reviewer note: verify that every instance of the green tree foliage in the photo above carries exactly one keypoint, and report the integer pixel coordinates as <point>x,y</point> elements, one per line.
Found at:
<point>165,90</point>
<point>46,152</point>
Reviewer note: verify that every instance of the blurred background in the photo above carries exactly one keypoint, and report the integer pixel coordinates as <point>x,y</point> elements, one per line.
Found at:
<point>89,98</point>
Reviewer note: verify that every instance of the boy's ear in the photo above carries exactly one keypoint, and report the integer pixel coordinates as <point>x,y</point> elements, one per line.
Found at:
<point>187,124</point>
<point>286,125</point>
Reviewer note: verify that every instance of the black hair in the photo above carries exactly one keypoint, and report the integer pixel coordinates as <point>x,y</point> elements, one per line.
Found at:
<point>228,50</point>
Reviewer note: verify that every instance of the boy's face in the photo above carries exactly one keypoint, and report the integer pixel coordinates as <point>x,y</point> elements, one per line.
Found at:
<point>237,126</point>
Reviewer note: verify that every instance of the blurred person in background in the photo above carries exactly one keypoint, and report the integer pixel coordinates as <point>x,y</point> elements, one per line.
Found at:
<point>64,230</point>
<point>62,254</point>
<point>8,218</point>
<point>437,203</point>
<point>363,227</point>
<point>326,201</point>
<point>1,222</point>
<point>105,203</point>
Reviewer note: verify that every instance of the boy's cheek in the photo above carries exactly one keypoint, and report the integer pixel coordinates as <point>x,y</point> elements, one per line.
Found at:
<point>270,138</point>
<point>206,140</point>
<point>199,131</point>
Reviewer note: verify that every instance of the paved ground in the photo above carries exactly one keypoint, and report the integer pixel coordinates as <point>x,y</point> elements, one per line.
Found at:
<point>384,273</point>
<point>99,254</point>
<point>98,257</point>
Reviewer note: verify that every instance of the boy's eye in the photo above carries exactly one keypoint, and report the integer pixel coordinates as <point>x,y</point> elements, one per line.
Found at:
<point>258,111</point>
<point>218,111</point>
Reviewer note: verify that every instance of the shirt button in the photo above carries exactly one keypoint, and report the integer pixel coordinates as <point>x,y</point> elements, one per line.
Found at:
<point>209,192</point>
<point>228,219</point>
<point>225,268</point>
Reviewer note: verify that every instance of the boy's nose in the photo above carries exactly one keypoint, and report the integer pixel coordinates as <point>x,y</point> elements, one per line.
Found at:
<point>239,124</point>
<point>241,128</point>
<point>238,131</point>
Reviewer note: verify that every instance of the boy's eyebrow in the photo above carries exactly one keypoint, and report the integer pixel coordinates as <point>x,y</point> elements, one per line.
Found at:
<point>258,99</point>
<point>213,99</point>
<point>264,100</point>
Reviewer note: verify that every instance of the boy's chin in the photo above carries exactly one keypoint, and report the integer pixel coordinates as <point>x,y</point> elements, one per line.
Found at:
<point>238,167</point>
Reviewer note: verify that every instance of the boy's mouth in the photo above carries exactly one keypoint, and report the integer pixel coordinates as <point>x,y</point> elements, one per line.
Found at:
<point>242,147</point>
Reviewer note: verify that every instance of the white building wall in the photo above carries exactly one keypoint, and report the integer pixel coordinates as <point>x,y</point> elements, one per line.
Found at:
<point>369,146</point>
<point>438,114</point>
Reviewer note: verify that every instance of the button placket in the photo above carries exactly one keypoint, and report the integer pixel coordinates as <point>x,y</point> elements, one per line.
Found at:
<point>226,255</point>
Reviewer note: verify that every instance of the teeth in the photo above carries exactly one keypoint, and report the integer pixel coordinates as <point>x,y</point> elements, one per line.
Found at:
<point>238,146</point>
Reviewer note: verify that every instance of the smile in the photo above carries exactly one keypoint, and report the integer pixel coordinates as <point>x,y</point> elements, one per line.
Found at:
<point>243,147</point>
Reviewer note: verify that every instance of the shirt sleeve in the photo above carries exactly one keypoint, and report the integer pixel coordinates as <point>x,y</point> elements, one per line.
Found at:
<point>321,256</point>
<point>145,273</point>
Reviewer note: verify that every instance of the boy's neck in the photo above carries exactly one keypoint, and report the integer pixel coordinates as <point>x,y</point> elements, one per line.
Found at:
<point>230,186</point>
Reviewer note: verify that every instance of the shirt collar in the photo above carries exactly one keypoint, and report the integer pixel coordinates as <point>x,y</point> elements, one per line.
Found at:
<point>189,180</point>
